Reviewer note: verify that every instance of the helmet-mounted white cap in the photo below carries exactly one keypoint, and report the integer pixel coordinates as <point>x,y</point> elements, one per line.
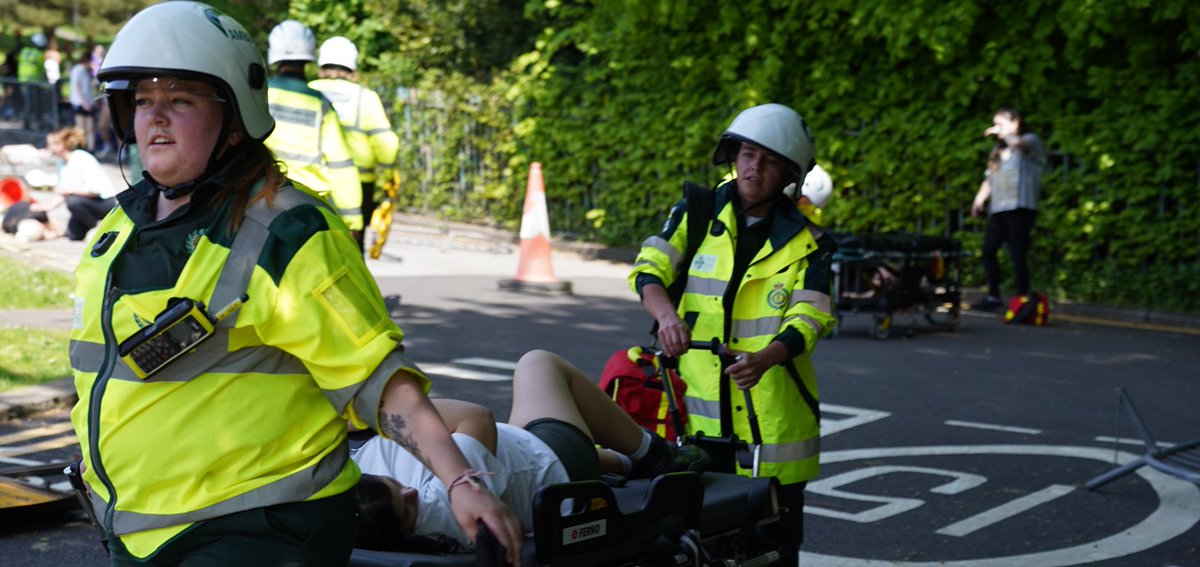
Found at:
<point>818,187</point>
<point>291,41</point>
<point>339,51</point>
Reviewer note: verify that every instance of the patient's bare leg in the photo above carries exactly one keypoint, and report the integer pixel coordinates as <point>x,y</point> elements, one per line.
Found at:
<point>546,385</point>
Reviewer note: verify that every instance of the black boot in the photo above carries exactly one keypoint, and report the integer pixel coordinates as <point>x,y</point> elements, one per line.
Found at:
<point>664,457</point>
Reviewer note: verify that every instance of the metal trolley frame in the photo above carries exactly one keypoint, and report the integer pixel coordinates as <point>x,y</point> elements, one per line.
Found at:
<point>895,273</point>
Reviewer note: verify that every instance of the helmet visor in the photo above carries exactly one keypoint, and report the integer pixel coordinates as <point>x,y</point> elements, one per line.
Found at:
<point>123,95</point>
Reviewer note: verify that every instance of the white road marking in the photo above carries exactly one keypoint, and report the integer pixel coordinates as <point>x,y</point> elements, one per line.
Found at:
<point>487,363</point>
<point>889,505</point>
<point>20,462</point>
<point>993,427</point>
<point>45,431</point>
<point>1006,511</point>
<point>1128,441</point>
<point>47,445</point>
<point>452,371</point>
<point>858,416</point>
<point>1178,510</point>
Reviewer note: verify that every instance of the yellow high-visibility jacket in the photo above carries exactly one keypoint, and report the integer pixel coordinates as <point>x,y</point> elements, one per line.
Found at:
<point>373,143</point>
<point>784,295</point>
<point>309,140</point>
<point>256,415</point>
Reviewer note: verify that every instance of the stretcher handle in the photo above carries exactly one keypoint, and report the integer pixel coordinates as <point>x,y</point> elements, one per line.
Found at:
<point>715,346</point>
<point>74,474</point>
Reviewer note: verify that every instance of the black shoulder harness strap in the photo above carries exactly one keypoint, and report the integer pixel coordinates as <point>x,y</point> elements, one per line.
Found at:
<point>700,206</point>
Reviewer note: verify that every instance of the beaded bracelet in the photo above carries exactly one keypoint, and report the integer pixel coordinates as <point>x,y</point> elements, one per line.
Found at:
<point>469,477</point>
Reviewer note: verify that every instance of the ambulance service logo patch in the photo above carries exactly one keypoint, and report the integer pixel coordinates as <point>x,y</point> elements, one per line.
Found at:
<point>777,297</point>
<point>193,238</point>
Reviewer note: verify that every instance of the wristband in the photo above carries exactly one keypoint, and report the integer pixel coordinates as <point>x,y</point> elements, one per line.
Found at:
<point>469,477</point>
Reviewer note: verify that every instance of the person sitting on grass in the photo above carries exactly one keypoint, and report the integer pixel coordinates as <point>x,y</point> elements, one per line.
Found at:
<point>558,416</point>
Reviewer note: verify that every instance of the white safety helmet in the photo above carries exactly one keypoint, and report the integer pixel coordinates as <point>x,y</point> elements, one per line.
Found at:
<point>818,187</point>
<point>774,127</point>
<point>339,51</point>
<point>188,40</point>
<point>291,41</point>
<point>39,40</point>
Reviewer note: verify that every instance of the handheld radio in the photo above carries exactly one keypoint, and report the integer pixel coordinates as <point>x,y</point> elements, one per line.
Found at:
<point>175,331</point>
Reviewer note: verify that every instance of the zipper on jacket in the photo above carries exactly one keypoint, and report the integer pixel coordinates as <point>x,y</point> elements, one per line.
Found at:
<point>98,388</point>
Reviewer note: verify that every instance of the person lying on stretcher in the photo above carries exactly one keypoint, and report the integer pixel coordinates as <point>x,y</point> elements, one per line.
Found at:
<point>558,416</point>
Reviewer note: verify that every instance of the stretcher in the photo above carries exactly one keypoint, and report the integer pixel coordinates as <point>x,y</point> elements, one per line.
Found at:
<point>898,272</point>
<point>28,492</point>
<point>674,519</point>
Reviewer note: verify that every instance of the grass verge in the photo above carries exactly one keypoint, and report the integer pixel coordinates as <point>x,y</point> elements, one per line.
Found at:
<point>30,356</point>
<point>30,287</point>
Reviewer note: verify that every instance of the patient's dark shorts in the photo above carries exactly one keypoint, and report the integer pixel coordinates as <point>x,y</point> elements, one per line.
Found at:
<point>573,447</point>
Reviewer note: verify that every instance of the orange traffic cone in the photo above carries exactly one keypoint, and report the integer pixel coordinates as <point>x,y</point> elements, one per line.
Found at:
<point>534,270</point>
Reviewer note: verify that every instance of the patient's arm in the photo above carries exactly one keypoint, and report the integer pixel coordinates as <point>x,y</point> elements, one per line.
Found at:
<point>469,419</point>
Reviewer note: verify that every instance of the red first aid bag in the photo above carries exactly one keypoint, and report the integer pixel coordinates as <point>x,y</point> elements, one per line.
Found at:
<point>633,379</point>
<point>1032,309</point>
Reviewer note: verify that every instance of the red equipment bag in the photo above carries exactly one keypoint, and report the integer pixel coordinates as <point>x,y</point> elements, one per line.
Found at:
<point>633,379</point>
<point>1032,309</point>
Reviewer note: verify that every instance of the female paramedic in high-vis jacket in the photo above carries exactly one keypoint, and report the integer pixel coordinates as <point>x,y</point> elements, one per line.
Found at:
<point>760,283</point>
<point>235,451</point>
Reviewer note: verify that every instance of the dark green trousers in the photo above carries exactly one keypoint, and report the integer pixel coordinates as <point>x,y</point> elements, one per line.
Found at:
<point>319,533</point>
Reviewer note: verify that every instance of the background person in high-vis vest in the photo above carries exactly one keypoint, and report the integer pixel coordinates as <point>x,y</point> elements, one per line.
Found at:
<point>227,331</point>
<point>373,143</point>
<point>759,282</point>
<point>308,136</point>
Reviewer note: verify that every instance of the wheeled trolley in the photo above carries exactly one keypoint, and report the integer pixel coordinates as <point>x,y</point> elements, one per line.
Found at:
<point>895,273</point>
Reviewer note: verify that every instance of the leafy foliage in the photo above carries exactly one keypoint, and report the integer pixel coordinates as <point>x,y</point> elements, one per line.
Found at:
<point>625,99</point>
<point>622,100</point>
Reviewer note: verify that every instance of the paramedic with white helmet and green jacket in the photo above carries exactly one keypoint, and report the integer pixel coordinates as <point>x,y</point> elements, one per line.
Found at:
<point>373,144</point>
<point>227,331</point>
<point>759,282</point>
<point>308,136</point>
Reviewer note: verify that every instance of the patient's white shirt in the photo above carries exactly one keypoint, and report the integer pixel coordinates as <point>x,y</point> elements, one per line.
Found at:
<point>522,465</point>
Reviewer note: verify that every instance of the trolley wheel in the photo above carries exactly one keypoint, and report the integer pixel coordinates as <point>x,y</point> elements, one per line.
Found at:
<point>882,328</point>
<point>947,319</point>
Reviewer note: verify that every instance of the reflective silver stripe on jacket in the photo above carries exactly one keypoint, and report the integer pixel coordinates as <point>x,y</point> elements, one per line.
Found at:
<point>703,408</point>
<point>370,394</point>
<point>818,300</point>
<point>712,287</point>
<point>663,245</point>
<point>292,115</point>
<point>785,452</point>
<point>771,452</point>
<point>210,357</point>
<point>816,325</point>
<point>749,328</point>
<point>298,158</point>
<point>298,485</point>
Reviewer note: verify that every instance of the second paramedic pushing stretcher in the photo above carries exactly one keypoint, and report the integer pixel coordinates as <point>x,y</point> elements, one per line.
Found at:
<point>760,282</point>
<point>234,453</point>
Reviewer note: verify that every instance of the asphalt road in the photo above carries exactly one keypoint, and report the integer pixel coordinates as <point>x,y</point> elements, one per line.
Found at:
<point>963,448</point>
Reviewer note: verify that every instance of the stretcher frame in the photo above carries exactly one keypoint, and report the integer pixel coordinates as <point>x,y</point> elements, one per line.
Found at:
<point>709,517</point>
<point>895,273</point>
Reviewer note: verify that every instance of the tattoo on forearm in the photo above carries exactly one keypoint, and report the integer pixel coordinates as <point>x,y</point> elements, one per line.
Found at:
<point>396,429</point>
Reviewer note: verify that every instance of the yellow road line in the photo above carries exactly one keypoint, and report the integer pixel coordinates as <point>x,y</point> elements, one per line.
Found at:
<point>1124,324</point>
<point>47,445</point>
<point>35,433</point>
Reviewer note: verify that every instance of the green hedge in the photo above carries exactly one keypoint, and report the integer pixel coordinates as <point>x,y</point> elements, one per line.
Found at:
<point>622,100</point>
